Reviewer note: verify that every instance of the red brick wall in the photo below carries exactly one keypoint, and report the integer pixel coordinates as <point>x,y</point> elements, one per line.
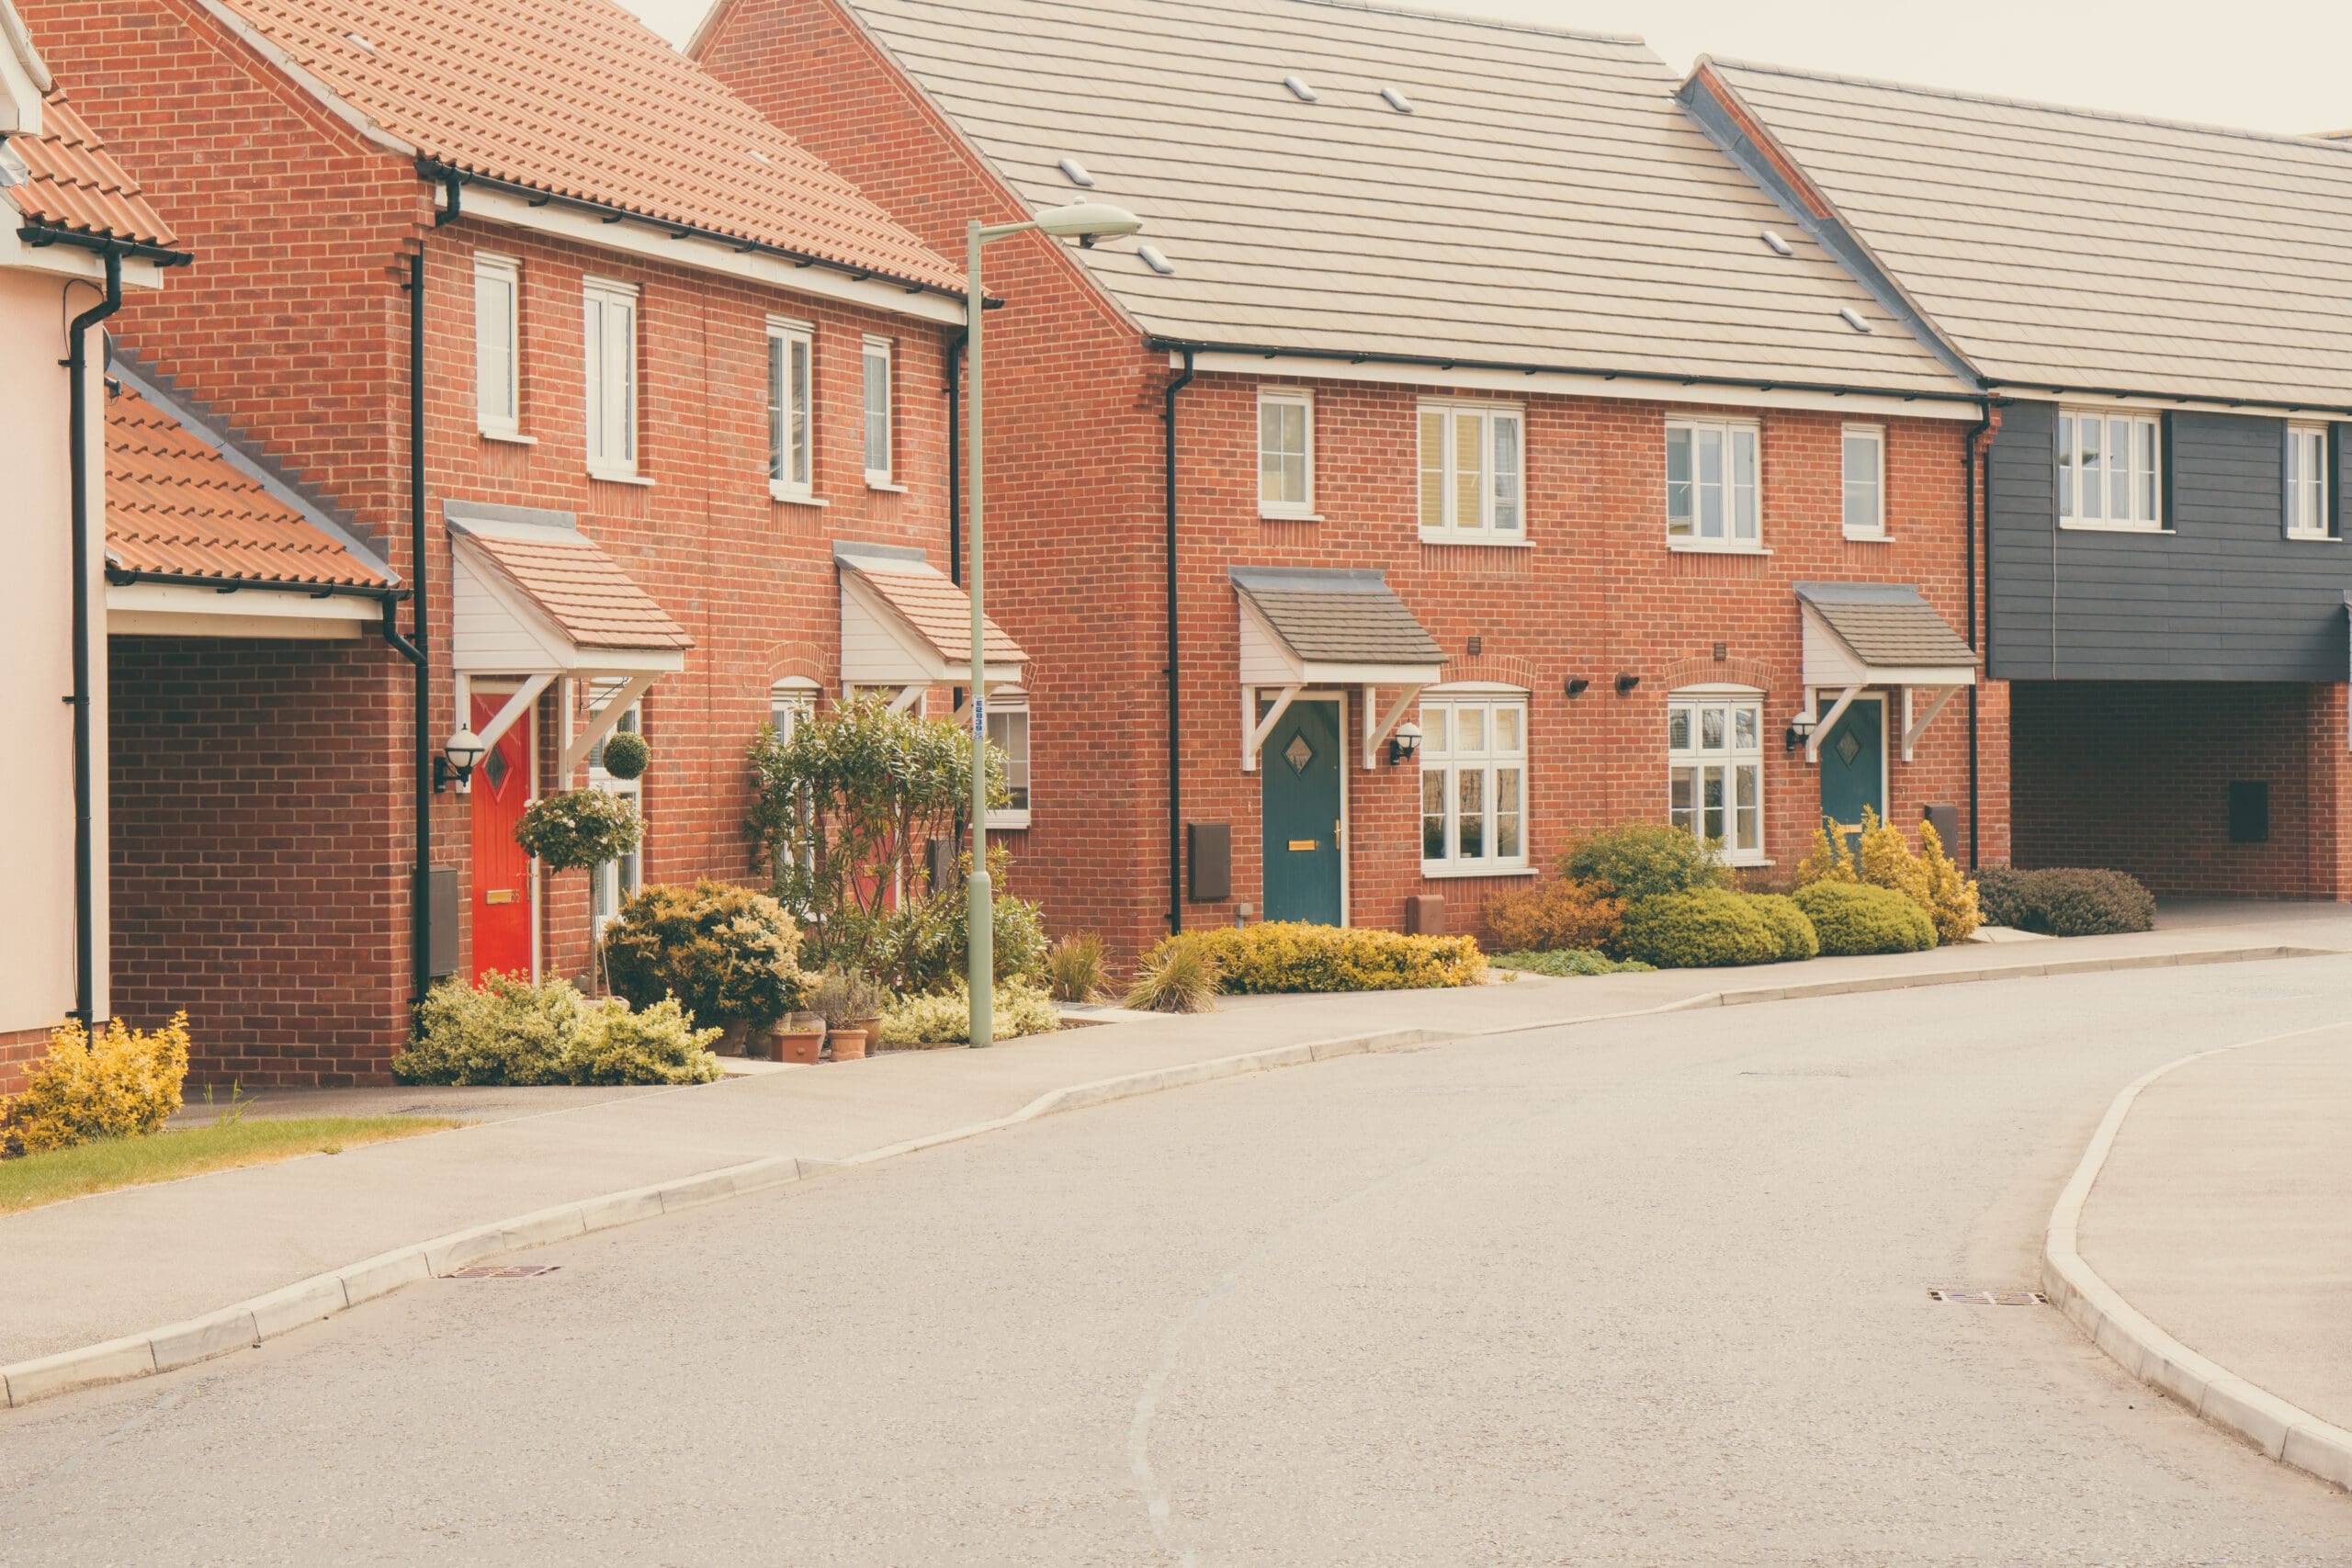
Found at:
<point>19,1049</point>
<point>2137,775</point>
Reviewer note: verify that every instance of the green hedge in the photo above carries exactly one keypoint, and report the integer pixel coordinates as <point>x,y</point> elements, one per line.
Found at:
<point>1289,955</point>
<point>1568,963</point>
<point>1798,939</point>
<point>2064,900</point>
<point>1852,917</point>
<point>1708,927</point>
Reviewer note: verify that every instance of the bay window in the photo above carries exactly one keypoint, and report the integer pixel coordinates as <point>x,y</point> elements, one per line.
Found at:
<point>1714,753</point>
<point>1474,784</point>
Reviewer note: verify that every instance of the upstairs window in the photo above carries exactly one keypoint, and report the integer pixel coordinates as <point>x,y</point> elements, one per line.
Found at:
<point>610,342</point>
<point>878,412</point>
<point>1473,473</point>
<point>791,350</point>
<point>1474,784</point>
<point>498,358</point>
<point>1711,489</point>
<point>2107,470</point>
<point>1863,465</point>
<point>1714,770</point>
<point>2311,475</point>
<point>1285,453</point>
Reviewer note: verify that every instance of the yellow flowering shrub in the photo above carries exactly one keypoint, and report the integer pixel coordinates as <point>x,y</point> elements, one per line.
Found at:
<point>125,1085</point>
<point>1951,897</point>
<point>1288,956</point>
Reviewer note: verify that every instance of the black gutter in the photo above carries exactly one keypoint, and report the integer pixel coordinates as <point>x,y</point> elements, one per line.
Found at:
<point>449,176</point>
<point>85,877</point>
<point>2176,399</point>
<point>414,648</point>
<point>41,236</point>
<point>124,576</point>
<point>1175,727</point>
<point>1419,361</point>
<point>1968,526</point>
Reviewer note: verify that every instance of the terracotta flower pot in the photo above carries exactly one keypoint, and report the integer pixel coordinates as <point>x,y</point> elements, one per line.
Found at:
<point>792,1042</point>
<point>872,1029</point>
<point>848,1045</point>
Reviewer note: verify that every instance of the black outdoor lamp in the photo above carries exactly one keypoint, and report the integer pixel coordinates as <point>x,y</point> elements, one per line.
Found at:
<point>1800,730</point>
<point>1578,684</point>
<point>1404,744</point>
<point>459,755</point>
<point>1626,683</point>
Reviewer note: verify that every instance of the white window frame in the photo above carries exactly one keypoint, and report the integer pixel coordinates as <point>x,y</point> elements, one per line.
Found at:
<point>878,349</point>
<point>1302,399</point>
<point>1875,479</point>
<point>1690,532</point>
<point>1444,759</point>
<point>785,454</point>
<point>610,405</point>
<point>504,273</point>
<point>1011,703</point>
<point>1501,521</point>
<point>2309,446</point>
<point>2086,498</point>
<point>614,881</point>
<point>1727,760</point>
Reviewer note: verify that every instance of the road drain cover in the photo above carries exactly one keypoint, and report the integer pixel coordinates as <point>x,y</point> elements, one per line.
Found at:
<point>505,1271</point>
<point>1989,1298</point>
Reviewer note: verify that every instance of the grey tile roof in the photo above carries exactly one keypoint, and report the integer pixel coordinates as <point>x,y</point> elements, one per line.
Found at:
<point>1546,201</point>
<point>1887,624</point>
<point>2070,248</point>
<point>1337,617</point>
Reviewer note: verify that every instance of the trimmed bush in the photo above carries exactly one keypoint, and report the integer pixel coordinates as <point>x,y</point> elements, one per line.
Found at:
<point>944,1018</point>
<point>2065,900</point>
<point>1074,968</point>
<point>1642,860</point>
<point>1706,928</point>
<point>1290,955</point>
<point>1572,964</point>
<point>509,1031</point>
<point>728,954</point>
<point>2002,894</point>
<point>1798,939</point>
<point>126,1085</point>
<point>1853,917</point>
<point>1556,916</point>
<point>625,754</point>
<point>1179,974</point>
<point>1951,897</point>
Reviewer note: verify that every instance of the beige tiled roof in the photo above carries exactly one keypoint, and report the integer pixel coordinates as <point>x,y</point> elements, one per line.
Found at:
<point>577,586</point>
<point>934,606</point>
<point>577,98</point>
<point>2070,248</point>
<point>71,182</point>
<point>1546,202</point>
<point>1337,617</point>
<point>1887,624</point>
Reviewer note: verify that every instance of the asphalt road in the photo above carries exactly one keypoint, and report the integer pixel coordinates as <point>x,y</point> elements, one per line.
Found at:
<point>1649,1292</point>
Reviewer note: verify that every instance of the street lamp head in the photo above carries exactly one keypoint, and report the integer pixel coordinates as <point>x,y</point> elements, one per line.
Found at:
<point>1088,221</point>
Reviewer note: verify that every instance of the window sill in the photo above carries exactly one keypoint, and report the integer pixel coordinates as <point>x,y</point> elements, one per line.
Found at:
<point>1459,873</point>
<point>785,496</point>
<point>512,437</point>
<point>1008,821</point>
<point>1880,537</point>
<point>2071,527</point>
<point>1488,541</point>
<point>2313,539</point>
<point>1700,548</point>
<point>1278,514</point>
<point>616,476</point>
<point>884,486</point>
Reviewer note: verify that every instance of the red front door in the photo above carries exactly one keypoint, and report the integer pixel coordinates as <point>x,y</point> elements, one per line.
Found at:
<point>501,871</point>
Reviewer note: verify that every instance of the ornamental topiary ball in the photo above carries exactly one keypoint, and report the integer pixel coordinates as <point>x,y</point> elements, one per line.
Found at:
<point>1856,917</point>
<point>626,755</point>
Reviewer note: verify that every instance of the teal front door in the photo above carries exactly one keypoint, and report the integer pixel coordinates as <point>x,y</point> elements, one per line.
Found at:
<point>1300,811</point>
<point>1854,767</point>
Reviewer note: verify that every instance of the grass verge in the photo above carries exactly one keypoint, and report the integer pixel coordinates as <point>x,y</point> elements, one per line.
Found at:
<point>60,1174</point>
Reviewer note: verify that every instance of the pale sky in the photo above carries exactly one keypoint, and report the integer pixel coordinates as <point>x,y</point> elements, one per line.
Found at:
<point>2262,64</point>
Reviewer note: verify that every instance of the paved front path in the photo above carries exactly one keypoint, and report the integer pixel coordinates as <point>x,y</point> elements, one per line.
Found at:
<point>1646,1291</point>
<point>2224,1214</point>
<point>125,1262</point>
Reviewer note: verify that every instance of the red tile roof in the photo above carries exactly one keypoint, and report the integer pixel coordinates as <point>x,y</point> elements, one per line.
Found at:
<point>578,99</point>
<point>74,183</point>
<point>578,586</point>
<point>174,504</point>
<point>938,610</point>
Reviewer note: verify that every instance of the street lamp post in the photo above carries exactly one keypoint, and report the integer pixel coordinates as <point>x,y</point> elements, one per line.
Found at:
<point>1085,222</point>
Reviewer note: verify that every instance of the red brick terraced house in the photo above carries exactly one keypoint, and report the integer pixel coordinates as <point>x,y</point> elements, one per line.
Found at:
<point>1467,456</point>
<point>581,373</point>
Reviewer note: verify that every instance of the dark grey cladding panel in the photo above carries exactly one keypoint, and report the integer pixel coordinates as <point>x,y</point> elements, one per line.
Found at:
<point>2224,596</point>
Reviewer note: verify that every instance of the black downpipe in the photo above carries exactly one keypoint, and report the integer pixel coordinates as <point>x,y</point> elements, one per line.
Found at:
<point>1968,526</point>
<point>956,456</point>
<point>1175,727</point>
<point>86,875</point>
<point>420,939</point>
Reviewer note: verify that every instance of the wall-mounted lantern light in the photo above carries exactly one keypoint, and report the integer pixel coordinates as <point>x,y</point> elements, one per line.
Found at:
<point>459,755</point>
<point>1405,743</point>
<point>1625,684</point>
<point>1578,685</point>
<point>1800,730</point>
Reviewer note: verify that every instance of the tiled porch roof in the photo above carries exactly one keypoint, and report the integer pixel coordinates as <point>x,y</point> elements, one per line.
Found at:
<point>936,608</point>
<point>70,182</point>
<point>575,584</point>
<point>1887,624</point>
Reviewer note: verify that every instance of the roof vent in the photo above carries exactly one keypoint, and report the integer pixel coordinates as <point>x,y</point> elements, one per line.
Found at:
<point>1853,318</point>
<point>1777,245</point>
<point>361,42</point>
<point>1397,100</point>
<point>1076,173</point>
<point>1300,90</point>
<point>760,158</point>
<point>1154,260</point>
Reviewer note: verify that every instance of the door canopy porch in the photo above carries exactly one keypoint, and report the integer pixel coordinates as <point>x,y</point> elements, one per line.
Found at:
<point>532,596</point>
<point>1304,626</point>
<point>1859,635</point>
<point>905,626</point>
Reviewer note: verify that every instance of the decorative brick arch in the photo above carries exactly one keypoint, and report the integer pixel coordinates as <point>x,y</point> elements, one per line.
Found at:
<point>795,658</point>
<point>1711,672</point>
<point>1502,670</point>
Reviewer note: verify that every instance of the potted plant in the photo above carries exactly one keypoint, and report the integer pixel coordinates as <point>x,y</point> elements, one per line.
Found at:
<point>850,1004</point>
<point>801,1037</point>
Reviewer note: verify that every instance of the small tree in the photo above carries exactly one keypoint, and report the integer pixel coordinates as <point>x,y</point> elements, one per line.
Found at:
<point>579,830</point>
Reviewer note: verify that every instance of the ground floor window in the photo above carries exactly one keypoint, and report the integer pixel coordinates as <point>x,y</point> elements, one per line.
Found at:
<point>1714,752</point>
<point>1473,782</point>
<point>615,881</point>
<point>1008,726</point>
